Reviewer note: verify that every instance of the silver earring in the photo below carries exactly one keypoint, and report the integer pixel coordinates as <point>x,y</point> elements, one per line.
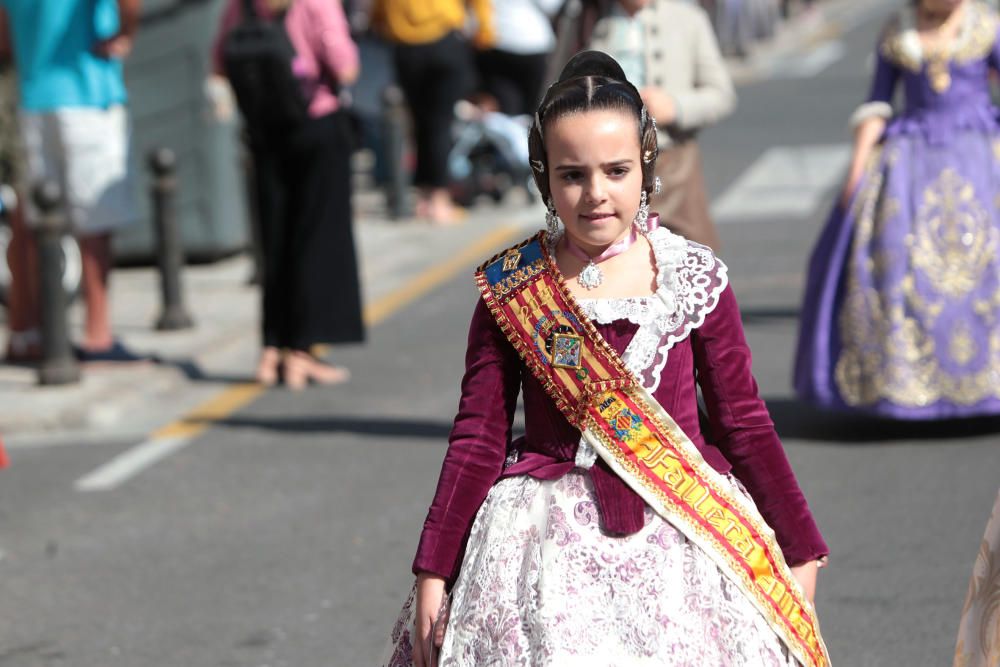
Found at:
<point>551,221</point>
<point>657,186</point>
<point>640,221</point>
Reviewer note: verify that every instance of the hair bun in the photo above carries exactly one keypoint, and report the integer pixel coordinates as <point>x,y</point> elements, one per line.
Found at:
<point>592,63</point>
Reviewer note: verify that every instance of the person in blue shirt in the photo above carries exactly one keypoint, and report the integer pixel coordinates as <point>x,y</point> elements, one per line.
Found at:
<point>68,55</point>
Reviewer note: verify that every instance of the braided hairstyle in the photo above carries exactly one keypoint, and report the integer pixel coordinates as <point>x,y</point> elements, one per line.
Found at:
<point>591,81</point>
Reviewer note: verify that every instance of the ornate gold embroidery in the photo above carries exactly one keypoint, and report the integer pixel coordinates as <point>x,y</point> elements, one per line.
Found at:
<point>962,346</point>
<point>901,45</point>
<point>954,240</point>
<point>938,68</point>
<point>982,32</point>
<point>890,328</point>
<point>894,46</point>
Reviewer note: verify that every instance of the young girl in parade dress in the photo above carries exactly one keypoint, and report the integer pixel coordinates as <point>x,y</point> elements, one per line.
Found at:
<point>568,559</point>
<point>900,316</point>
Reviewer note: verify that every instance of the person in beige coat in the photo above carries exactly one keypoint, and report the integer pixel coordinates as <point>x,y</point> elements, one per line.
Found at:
<point>669,51</point>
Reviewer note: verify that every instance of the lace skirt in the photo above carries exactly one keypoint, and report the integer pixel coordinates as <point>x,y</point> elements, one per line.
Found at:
<point>541,584</point>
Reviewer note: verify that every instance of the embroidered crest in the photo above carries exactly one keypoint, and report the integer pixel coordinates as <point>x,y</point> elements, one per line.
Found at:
<point>511,260</point>
<point>545,334</point>
<point>567,350</point>
<point>625,424</point>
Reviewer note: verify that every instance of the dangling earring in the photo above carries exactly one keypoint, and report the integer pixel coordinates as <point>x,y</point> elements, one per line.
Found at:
<point>551,222</point>
<point>641,216</point>
<point>657,186</point>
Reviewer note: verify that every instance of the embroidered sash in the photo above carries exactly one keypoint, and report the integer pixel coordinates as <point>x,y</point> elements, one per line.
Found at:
<point>590,385</point>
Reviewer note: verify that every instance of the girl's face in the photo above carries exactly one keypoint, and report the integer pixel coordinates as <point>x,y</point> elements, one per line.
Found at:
<point>595,175</point>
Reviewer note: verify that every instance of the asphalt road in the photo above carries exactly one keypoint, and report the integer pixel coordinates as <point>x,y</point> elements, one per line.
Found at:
<point>283,535</point>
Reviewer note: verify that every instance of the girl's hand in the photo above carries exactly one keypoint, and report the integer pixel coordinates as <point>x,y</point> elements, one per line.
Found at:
<point>805,574</point>
<point>430,596</point>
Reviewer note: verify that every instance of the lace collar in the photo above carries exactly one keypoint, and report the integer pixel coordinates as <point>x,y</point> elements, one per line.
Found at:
<point>689,279</point>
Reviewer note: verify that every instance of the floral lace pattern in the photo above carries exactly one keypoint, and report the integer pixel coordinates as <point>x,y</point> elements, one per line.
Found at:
<point>541,584</point>
<point>689,279</point>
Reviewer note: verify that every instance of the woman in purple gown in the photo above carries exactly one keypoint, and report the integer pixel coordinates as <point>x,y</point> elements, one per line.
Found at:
<point>901,315</point>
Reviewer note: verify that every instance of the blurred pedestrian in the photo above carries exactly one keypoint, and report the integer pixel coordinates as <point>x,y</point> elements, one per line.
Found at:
<point>311,291</point>
<point>23,338</point>
<point>512,65</point>
<point>669,49</point>
<point>434,65</point>
<point>979,630</point>
<point>69,55</point>
<point>901,316</point>
<point>569,536</point>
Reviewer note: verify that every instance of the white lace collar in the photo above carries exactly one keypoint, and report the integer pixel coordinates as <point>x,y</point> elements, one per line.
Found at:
<point>689,279</point>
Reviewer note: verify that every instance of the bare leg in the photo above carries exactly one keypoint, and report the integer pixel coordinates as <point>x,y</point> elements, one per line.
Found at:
<point>267,365</point>
<point>96,256</point>
<point>441,208</point>
<point>301,368</point>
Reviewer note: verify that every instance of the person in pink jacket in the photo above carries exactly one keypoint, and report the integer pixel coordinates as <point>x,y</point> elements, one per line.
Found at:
<point>311,288</point>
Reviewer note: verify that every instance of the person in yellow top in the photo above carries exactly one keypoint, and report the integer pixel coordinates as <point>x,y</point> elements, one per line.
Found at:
<point>434,66</point>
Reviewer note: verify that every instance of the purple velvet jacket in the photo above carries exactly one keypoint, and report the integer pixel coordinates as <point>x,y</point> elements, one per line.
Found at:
<point>715,353</point>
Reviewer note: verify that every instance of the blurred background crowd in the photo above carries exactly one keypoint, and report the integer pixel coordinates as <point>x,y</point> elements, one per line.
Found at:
<point>424,102</point>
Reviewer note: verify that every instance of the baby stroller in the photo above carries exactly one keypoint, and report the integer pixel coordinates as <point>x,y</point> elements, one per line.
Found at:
<point>489,155</point>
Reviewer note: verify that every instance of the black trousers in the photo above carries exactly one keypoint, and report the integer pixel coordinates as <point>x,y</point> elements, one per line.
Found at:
<point>433,77</point>
<point>311,287</point>
<point>514,79</point>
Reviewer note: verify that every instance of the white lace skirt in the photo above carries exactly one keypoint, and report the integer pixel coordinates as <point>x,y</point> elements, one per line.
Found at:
<point>541,584</point>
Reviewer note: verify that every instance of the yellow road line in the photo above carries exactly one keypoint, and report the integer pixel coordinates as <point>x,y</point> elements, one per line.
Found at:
<point>214,409</point>
<point>385,306</point>
<point>233,398</point>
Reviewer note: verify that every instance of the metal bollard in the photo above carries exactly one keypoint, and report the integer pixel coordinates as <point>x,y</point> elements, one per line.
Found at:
<point>58,365</point>
<point>394,120</point>
<point>170,258</point>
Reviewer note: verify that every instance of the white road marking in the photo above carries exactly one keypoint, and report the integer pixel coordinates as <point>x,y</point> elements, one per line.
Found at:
<point>130,463</point>
<point>784,182</point>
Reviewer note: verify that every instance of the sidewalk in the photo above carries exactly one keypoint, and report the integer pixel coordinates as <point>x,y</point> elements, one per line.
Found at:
<point>127,402</point>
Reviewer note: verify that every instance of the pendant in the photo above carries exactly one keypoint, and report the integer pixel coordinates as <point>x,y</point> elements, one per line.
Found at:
<point>591,276</point>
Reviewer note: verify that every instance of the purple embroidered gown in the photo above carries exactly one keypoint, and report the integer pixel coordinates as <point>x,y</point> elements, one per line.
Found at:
<point>901,315</point>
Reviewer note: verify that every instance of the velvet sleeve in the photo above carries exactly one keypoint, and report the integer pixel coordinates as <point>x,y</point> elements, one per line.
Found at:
<point>743,431</point>
<point>884,81</point>
<point>476,448</point>
<point>883,86</point>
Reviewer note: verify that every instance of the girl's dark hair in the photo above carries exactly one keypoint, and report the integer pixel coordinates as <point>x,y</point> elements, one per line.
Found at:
<point>591,81</point>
